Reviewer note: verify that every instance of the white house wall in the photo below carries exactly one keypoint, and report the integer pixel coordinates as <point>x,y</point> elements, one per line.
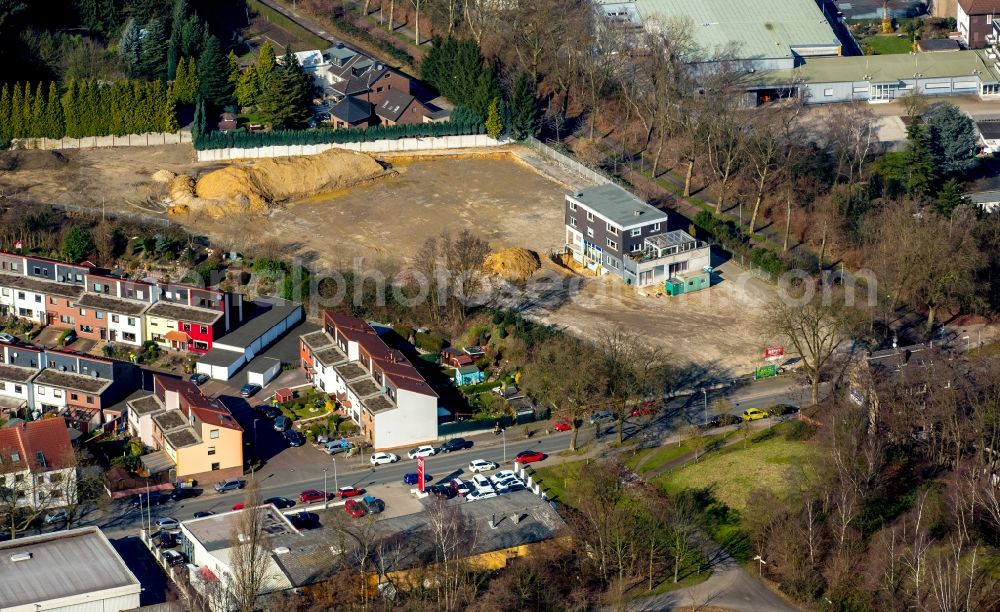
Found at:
<point>123,326</point>
<point>413,420</point>
<point>50,396</point>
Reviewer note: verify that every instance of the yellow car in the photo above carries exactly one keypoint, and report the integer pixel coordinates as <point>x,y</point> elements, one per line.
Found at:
<point>752,414</point>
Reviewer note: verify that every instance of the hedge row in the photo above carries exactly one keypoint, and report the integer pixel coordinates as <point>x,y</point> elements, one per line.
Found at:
<point>251,140</point>
<point>349,28</point>
<point>727,233</point>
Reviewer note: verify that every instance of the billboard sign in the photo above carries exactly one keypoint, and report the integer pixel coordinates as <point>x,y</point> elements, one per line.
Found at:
<point>420,474</point>
<point>766,371</point>
<point>773,353</point>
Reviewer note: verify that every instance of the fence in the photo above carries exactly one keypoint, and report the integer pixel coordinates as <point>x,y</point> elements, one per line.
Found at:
<point>569,163</point>
<point>95,142</point>
<point>434,143</point>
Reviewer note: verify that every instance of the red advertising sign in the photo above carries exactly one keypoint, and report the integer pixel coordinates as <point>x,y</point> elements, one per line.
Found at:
<point>774,352</point>
<point>420,473</point>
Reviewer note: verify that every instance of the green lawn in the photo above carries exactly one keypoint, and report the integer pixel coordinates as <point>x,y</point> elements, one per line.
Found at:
<point>553,479</point>
<point>650,459</point>
<point>767,461</point>
<point>887,44</point>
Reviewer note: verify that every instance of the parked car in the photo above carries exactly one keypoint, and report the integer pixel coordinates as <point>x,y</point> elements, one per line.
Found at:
<point>249,390</point>
<point>752,414</point>
<point>482,465</point>
<point>8,338</point>
<point>724,420</point>
<point>562,425</point>
<point>180,493</point>
<point>198,378</point>
<point>343,492</point>
<point>477,495</point>
<point>282,423</point>
<point>239,506</point>
<point>230,484</point>
<point>422,451</point>
<point>456,444</point>
<point>441,490</point>
<point>784,410</point>
<point>481,483</point>
<point>410,478</point>
<point>384,458</point>
<point>503,475</point>
<point>56,516</point>
<point>529,456</point>
<point>280,502</point>
<point>203,513</point>
<point>333,447</point>
<point>153,498</point>
<point>374,505</point>
<point>294,438</point>
<point>173,558</point>
<point>643,409</point>
<point>167,524</point>
<point>355,508</point>
<point>267,411</point>
<point>460,487</point>
<point>312,495</point>
<point>304,520</point>
<point>601,416</point>
<point>165,539</point>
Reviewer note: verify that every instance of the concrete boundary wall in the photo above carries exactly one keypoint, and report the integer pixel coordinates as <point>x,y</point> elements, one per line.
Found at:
<point>374,146</point>
<point>96,142</point>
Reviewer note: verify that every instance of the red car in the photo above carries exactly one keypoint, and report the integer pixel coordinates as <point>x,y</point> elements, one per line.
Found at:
<point>239,506</point>
<point>530,456</point>
<point>311,495</point>
<point>562,425</point>
<point>354,508</point>
<point>343,492</point>
<point>644,409</point>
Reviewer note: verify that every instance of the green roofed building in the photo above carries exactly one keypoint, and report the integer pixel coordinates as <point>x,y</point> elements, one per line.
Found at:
<point>768,34</point>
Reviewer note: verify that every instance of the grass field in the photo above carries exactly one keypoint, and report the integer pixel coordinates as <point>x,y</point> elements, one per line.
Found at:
<point>277,19</point>
<point>888,44</point>
<point>768,461</point>
<point>553,479</point>
<point>650,459</point>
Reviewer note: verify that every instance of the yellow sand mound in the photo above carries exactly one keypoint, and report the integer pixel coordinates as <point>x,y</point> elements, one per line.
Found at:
<point>163,176</point>
<point>258,187</point>
<point>513,264</point>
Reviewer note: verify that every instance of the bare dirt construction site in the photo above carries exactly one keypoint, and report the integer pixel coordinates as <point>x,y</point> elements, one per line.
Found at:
<point>501,199</point>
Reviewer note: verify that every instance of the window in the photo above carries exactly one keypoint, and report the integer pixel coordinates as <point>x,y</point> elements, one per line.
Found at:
<point>86,329</point>
<point>131,321</point>
<point>572,221</point>
<point>114,318</point>
<point>55,477</point>
<point>14,266</point>
<point>138,294</point>
<point>20,295</point>
<point>211,450</point>
<point>828,92</point>
<point>201,346</point>
<point>52,301</point>
<point>187,327</point>
<point>636,246</point>
<point>378,90</point>
<point>612,244</point>
<point>90,399</point>
<point>6,291</point>
<point>17,389</point>
<point>612,229</point>
<point>590,232</point>
<point>215,466</point>
<point>17,477</point>
<point>79,278</point>
<point>57,393</point>
<point>3,386</point>
<point>590,216</point>
<point>73,396</point>
<point>637,232</point>
<point>38,299</point>
<point>128,336</point>
<point>100,315</point>
<point>204,329</point>
<point>213,434</point>
<point>41,391</point>
<point>37,270</point>
<point>55,494</point>
<point>83,312</point>
<point>572,206</point>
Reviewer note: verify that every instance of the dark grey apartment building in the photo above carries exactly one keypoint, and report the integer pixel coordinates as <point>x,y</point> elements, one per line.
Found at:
<point>611,231</point>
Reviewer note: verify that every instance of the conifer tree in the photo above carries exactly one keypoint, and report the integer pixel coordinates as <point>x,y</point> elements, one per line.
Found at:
<point>90,101</point>
<point>154,50</point>
<point>16,112</point>
<point>117,109</point>
<point>285,102</point>
<point>5,126</point>
<point>70,110</point>
<point>248,87</point>
<point>37,125</point>
<point>168,113</point>
<point>265,65</point>
<point>130,47</point>
<point>213,74</point>
<point>494,126</point>
<point>523,108</point>
<point>54,123</point>
<point>186,84</point>
<point>26,106</point>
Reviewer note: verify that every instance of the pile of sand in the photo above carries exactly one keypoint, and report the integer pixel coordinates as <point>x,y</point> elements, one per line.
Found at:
<point>513,264</point>
<point>163,176</point>
<point>258,187</point>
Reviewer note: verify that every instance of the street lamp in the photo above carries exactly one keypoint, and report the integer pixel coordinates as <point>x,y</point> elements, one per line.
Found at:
<point>760,564</point>
<point>704,394</point>
<point>503,433</point>
<point>335,484</point>
<point>326,499</point>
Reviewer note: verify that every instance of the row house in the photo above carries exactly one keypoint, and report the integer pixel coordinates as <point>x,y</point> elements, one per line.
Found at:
<point>377,386</point>
<point>190,434</point>
<point>79,387</point>
<point>37,464</point>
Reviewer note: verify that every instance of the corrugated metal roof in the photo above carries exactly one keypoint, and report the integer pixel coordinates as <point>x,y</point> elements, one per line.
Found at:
<point>763,29</point>
<point>883,68</point>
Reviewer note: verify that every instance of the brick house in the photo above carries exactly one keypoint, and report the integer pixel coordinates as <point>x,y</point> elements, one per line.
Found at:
<point>351,112</point>
<point>398,108</point>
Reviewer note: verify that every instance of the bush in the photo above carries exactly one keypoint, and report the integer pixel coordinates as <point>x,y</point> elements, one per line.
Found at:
<point>347,428</point>
<point>799,430</point>
<point>403,331</point>
<point>429,343</point>
<point>767,260</point>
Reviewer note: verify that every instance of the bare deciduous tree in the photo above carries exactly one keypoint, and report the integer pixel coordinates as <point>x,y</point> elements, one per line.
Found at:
<point>250,556</point>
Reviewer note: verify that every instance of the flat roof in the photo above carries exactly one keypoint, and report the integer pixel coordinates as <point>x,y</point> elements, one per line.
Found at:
<point>112,304</point>
<point>219,356</point>
<point>41,286</point>
<point>62,564</point>
<point>673,238</point>
<point>883,68</point>
<point>72,380</point>
<point>618,205</point>
<point>169,420</point>
<point>269,312</point>
<point>351,371</point>
<point>180,312</point>
<point>262,364</point>
<point>762,29</point>
<point>14,373</point>
<point>145,405</point>
<point>989,129</point>
<point>216,532</point>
